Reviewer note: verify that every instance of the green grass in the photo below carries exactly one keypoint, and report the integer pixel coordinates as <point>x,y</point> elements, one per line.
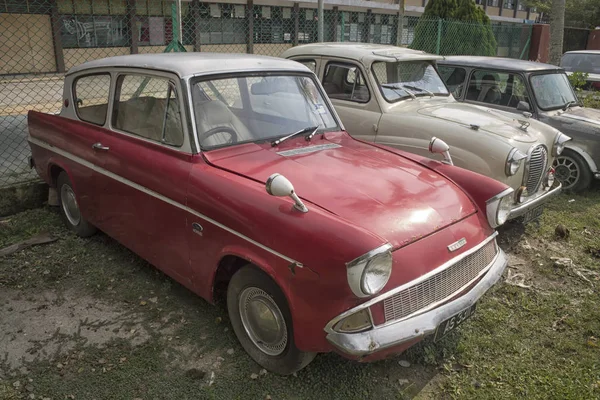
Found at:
<point>538,342</point>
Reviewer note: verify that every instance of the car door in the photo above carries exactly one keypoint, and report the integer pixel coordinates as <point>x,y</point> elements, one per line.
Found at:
<point>353,99</point>
<point>145,169</point>
<point>497,89</point>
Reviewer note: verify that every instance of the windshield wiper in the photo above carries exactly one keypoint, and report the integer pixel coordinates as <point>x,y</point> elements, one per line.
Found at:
<point>311,129</point>
<point>418,89</point>
<point>568,105</point>
<point>397,87</point>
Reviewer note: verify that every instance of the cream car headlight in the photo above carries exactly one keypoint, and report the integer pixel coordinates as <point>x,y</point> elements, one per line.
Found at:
<point>369,273</point>
<point>513,161</point>
<point>498,208</point>
<point>559,143</point>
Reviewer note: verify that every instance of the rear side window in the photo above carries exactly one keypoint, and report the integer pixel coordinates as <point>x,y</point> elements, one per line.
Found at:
<point>149,107</point>
<point>90,94</point>
<point>345,82</point>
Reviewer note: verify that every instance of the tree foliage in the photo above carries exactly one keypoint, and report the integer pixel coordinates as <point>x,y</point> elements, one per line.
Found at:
<point>462,27</point>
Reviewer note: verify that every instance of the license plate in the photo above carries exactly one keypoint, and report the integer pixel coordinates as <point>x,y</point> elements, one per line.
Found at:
<point>533,214</point>
<point>451,323</point>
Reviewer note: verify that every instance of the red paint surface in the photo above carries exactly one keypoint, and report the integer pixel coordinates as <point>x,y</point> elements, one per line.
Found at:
<point>360,197</point>
<point>594,40</point>
<point>539,49</point>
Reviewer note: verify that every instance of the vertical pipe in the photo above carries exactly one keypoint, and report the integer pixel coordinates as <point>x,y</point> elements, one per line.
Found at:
<point>400,23</point>
<point>179,23</point>
<point>133,40</point>
<point>369,17</point>
<point>250,13</point>
<point>320,20</point>
<point>336,22</point>
<point>59,57</point>
<point>439,36</point>
<point>296,22</point>
<point>196,18</point>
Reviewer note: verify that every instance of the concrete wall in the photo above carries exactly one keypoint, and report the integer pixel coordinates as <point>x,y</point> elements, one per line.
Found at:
<point>522,14</point>
<point>26,44</point>
<point>493,10</point>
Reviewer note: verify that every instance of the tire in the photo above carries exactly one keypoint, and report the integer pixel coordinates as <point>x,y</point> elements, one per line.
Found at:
<point>276,351</point>
<point>69,209</point>
<point>572,171</point>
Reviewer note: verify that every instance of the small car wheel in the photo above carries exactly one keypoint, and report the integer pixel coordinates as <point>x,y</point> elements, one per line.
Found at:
<point>69,209</point>
<point>572,171</point>
<point>262,322</point>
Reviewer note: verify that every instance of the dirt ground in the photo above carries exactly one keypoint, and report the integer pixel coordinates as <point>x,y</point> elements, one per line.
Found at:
<point>88,319</point>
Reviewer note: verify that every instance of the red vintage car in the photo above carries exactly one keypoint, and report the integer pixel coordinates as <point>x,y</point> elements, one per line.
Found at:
<point>233,174</point>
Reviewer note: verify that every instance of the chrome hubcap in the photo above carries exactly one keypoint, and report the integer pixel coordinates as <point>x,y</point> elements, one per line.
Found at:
<point>263,321</point>
<point>69,205</point>
<point>566,171</point>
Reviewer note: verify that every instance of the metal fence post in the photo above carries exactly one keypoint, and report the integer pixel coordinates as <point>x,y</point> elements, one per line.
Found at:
<point>56,37</point>
<point>196,18</point>
<point>133,40</point>
<point>250,37</point>
<point>400,23</point>
<point>296,22</point>
<point>320,18</point>
<point>336,22</point>
<point>368,24</point>
<point>439,36</point>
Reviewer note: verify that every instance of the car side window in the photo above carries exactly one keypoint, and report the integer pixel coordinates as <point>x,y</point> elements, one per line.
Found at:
<point>90,94</point>
<point>345,82</point>
<point>499,88</point>
<point>149,107</point>
<point>454,78</point>
<point>310,64</point>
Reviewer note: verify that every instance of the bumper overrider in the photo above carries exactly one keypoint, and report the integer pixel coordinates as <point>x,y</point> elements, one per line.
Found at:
<point>388,335</point>
<point>536,200</point>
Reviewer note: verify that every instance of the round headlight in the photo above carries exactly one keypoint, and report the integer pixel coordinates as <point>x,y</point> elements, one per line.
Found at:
<point>377,273</point>
<point>513,161</point>
<point>504,209</point>
<point>498,208</point>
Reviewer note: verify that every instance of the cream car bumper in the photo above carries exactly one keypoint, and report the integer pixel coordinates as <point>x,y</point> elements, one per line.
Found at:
<point>536,200</point>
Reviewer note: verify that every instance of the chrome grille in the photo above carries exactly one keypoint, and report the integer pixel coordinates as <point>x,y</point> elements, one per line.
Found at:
<point>538,162</point>
<point>439,286</point>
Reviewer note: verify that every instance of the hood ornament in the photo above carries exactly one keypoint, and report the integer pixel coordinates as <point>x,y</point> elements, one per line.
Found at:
<point>524,124</point>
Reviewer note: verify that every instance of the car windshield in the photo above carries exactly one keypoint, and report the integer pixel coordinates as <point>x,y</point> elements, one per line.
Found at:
<point>398,80</point>
<point>241,109</point>
<point>581,62</point>
<point>552,91</point>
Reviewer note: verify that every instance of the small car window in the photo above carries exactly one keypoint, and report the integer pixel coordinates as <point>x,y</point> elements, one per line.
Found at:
<point>345,82</point>
<point>148,107</point>
<point>500,88</point>
<point>90,95</point>
<point>311,64</point>
<point>454,78</point>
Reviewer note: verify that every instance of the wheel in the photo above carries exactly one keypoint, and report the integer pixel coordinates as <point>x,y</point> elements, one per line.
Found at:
<point>572,171</point>
<point>262,322</point>
<point>69,209</point>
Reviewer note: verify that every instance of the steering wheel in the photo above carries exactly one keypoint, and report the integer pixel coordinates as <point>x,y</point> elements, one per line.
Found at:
<point>233,136</point>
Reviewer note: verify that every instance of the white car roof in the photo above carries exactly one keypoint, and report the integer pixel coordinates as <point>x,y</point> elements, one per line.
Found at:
<point>189,64</point>
<point>366,52</point>
<point>583,52</point>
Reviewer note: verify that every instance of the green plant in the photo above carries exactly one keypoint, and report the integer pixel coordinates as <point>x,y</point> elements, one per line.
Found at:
<point>578,80</point>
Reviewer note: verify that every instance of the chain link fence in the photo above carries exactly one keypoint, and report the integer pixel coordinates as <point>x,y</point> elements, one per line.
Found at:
<point>41,39</point>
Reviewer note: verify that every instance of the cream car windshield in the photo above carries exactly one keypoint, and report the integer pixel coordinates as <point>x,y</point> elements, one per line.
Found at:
<point>242,109</point>
<point>552,91</point>
<point>398,80</point>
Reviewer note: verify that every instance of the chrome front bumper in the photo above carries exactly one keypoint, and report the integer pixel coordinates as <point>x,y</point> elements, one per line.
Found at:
<point>538,199</point>
<point>379,338</point>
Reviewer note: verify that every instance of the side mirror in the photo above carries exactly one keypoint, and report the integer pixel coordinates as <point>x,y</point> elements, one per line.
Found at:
<point>523,106</point>
<point>278,185</point>
<point>438,146</point>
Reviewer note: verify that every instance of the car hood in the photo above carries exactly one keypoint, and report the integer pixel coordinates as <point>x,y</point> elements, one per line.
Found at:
<point>588,115</point>
<point>492,121</point>
<point>391,196</point>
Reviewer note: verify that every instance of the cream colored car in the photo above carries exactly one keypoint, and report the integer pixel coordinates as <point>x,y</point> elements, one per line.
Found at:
<point>394,96</point>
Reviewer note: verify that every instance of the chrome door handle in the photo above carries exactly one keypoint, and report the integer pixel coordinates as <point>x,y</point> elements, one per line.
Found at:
<point>98,146</point>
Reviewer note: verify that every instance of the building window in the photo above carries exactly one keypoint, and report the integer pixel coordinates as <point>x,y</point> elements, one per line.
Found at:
<point>509,4</point>
<point>479,2</point>
<point>522,6</point>
<point>493,3</point>
<point>533,10</point>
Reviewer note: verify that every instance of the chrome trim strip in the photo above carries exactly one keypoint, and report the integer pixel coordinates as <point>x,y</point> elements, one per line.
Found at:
<point>309,149</point>
<point>500,195</point>
<point>370,254</point>
<point>157,195</point>
<point>390,293</point>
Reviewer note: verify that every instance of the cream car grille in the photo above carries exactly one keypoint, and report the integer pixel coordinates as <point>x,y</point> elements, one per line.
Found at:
<point>538,161</point>
<point>439,286</point>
